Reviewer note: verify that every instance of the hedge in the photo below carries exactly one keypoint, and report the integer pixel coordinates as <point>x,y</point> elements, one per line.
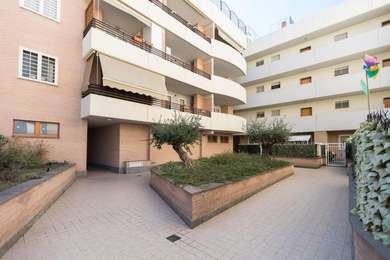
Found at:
<point>372,176</point>
<point>295,150</point>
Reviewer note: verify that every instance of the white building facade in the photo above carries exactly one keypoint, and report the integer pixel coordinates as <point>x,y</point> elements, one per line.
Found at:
<point>309,73</point>
<point>149,59</point>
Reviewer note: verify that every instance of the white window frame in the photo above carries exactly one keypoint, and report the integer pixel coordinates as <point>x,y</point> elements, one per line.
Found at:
<point>275,58</point>
<point>259,88</point>
<point>342,101</point>
<point>341,37</point>
<point>260,112</point>
<point>39,69</point>
<point>343,136</point>
<point>346,67</point>
<point>40,12</point>
<point>272,113</point>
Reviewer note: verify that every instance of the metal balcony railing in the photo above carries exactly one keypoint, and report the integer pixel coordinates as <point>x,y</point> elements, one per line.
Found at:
<point>180,19</point>
<point>136,41</point>
<point>141,99</point>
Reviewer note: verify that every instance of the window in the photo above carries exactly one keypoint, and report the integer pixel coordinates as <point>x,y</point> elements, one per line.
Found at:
<point>306,80</point>
<point>224,139</point>
<point>37,66</point>
<point>386,63</point>
<point>275,112</point>
<point>308,48</point>
<point>259,89</point>
<point>275,85</point>
<point>341,36</point>
<point>342,104</point>
<point>36,129</point>
<point>275,58</point>
<point>386,102</point>
<point>259,63</point>
<point>341,71</point>
<point>260,114</point>
<point>212,139</point>
<point>307,111</point>
<point>386,23</point>
<point>343,138</point>
<point>47,8</point>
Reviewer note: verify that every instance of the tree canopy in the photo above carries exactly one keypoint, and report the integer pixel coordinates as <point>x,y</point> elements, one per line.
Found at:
<point>181,132</point>
<point>268,133</point>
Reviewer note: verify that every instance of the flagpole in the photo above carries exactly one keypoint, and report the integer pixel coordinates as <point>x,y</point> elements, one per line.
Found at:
<point>368,93</point>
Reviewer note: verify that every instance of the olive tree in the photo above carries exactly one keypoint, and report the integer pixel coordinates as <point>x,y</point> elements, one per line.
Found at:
<point>181,132</point>
<point>268,133</point>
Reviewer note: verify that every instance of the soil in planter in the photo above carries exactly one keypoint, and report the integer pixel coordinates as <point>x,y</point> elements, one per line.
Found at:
<point>23,175</point>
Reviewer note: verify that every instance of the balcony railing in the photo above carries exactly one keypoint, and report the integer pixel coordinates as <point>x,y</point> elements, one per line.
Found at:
<point>141,99</point>
<point>180,19</point>
<point>133,40</point>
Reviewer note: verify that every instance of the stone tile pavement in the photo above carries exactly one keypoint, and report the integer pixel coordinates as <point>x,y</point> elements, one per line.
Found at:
<point>108,216</point>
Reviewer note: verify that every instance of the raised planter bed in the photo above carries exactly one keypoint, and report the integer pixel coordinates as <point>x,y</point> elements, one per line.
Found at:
<point>197,204</point>
<point>364,246</point>
<point>22,204</point>
<point>313,163</point>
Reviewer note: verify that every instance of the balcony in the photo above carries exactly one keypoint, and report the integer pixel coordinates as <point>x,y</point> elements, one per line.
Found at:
<point>100,102</point>
<point>321,88</point>
<point>331,54</point>
<point>185,35</point>
<point>113,42</point>
<point>180,19</point>
<point>139,43</point>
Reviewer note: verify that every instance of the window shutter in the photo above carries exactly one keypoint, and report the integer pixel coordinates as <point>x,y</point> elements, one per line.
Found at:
<point>386,102</point>
<point>50,8</point>
<point>307,111</point>
<point>32,4</point>
<point>30,65</point>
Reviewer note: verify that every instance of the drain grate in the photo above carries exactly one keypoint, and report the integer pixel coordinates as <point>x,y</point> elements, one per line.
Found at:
<point>173,238</point>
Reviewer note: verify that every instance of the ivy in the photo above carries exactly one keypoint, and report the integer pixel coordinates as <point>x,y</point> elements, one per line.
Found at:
<point>372,175</point>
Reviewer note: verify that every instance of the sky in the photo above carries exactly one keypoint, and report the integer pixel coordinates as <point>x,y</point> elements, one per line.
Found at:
<point>264,16</point>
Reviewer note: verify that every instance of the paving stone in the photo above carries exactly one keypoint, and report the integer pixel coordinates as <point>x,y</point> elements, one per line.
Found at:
<point>110,216</point>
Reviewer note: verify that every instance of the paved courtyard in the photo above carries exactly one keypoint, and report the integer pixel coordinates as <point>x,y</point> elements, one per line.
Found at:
<point>107,216</point>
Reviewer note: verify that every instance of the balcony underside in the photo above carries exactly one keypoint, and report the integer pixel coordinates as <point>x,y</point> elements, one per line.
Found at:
<point>142,56</point>
<point>111,105</point>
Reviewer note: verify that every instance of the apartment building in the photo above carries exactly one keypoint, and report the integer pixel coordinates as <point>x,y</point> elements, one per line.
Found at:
<point>309,73</point>
<point>90,77</point>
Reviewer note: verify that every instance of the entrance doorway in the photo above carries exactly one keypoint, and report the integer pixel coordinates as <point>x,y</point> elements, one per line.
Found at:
<point>336,154</point>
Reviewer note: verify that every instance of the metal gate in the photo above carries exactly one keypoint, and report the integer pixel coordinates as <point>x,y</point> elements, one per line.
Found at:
<point>336,154</point>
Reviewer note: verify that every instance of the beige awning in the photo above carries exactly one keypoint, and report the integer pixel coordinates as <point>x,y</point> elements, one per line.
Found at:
<point>121,75</point>
<point>87,74</point>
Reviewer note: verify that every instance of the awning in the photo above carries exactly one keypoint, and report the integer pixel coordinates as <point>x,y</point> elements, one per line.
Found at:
<point>87,73</point>
<point>299,138</point>
<point>121,75</point>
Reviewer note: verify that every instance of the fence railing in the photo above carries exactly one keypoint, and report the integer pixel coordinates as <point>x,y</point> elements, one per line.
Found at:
<point>140,43</point>
<point>180,19</point>
<point>225,9</point>
<point>146,100</point>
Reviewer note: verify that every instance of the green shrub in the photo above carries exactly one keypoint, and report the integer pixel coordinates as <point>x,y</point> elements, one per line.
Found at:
<point>219,169</point>
<point>17,155</point>
<point>372,177</point>
<point>295,150</point>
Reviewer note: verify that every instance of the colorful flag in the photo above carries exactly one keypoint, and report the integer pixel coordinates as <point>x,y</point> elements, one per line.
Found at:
<point>371,66</point>
<point>364,87</point>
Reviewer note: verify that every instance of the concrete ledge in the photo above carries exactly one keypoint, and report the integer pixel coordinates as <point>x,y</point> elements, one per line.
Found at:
<point>196,205</point>
<point>22,204</point>
<point>364,246</point>
<point>312,163</point>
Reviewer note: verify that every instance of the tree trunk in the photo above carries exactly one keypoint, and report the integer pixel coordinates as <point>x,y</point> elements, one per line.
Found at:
<point>183,155</point>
